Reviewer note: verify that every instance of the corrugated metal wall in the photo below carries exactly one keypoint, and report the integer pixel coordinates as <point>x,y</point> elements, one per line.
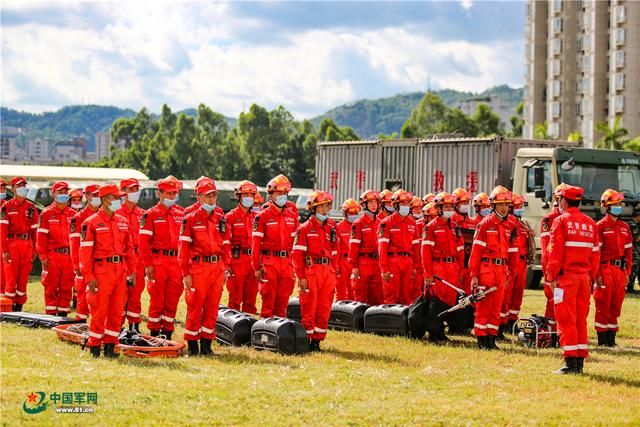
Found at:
<point>399,164</point>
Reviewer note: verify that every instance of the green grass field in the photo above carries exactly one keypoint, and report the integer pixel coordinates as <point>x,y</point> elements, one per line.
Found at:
<point>358,380</point>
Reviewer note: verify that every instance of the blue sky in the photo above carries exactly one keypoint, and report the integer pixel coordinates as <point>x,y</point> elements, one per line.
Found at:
<point>306,56</point>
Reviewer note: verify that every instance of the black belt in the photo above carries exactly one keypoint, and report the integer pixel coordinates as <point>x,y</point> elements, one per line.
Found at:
<point>405,254</point>
<point>373,255</point>
<point>281,254</point>
<point>209,258</point>
<point>62,250</point>
<point>165,252</point>
<point>322,261</point>
<point>448,259</point>
<point>496,261</point>
<point>243,251</point>
<point>23,236</point>
<point>620,263</point>
<point>116,259</point>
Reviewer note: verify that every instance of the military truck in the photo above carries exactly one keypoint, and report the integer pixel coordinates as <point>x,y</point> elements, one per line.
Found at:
<point>531,168</point>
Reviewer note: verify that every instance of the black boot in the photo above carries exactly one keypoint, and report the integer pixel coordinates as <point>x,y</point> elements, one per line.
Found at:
<point>134,327</point>
<point>314,345</point>
<point>109,350</point>
<point>603,339</point>
<point>167,335</point>
<point>205,347</point>
<point>510,324</point>
<point>492,343</point>
<point>154,332</point>
<point>95,351</point>
<point>193,347</point>
<point>17,307</point>
<point>570,366</point>
<point>612,338</point>
<point>554,340</point>
<point>484,342</point>
<point>579,364</point>
<point>501,330</point>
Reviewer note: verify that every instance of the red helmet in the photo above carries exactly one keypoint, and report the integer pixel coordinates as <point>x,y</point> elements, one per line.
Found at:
<point>350,205</point>
<point>558,191</point>
<point>611,197</point>
<point>318,198</point>
<point>461,195</point>
<point>518,201</point>
<point>75,193</point>
<point>416,202</point>
<point>481,200</point>
<point>386,196</point>
<point>571,192</point>
<point>443,198</point>
<point>279,183</point>
<point>430,209</point>
<point>428,198</point>
<point>368,196</point>
<point>401,196</point>
<point>500,195</point>
<point>257,198</point>
<point>245,187</point>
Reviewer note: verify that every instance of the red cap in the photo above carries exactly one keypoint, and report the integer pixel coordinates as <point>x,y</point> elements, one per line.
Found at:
<point>206,187</point>
<point>91,188</point>
<point>571,192</point>
<point>18,180</point>
<point>3,183</point>
<point>76,192</point>
<point>59,186</point>
<point>169,183</point>
<point>129,182</point>
<point>202,180</point>
<point>110,189</point>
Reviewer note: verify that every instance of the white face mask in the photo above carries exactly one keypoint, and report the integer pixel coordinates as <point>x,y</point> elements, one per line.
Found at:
<point>77,206</point>
<point>133,197</point>
<point>95,202</point>
<point>417,216</point>
<point>22,191</point>
<point>447,214</point>
<point>463,209</point>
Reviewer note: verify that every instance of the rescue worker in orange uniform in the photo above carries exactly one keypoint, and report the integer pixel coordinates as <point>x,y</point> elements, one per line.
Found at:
<point>315,259</point>
<point>91,195</point>
<point>513,294</point>
<point>289,204</point>
<point>428,198</point>
<point>258,200</point>
<point>545,238</point>
<point>416,211</point>
<point>398,250</point>
<point>107,261</point>
<point>482,206</point>
<point>442,251</point>
<point>430,212</point>
<point>386,202</point>
<point>488,266</point>
<point>3,200</point>
<point>363,252</point>
<point>242,284</point>
<point>130,210</point>
<point>350,210</point>
<point>75,199</point>
<point>52,245</point>
<point>204,258</point>
<point>461,216</point>
<point>574,262</point>
<point>195,206</point>
<point>462,320</point>
<point>616,256</point>
<point>274,229</point>
<point>18,222</point>
<point>158,246</point>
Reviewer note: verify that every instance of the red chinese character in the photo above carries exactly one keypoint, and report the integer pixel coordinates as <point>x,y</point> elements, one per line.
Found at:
<point>438,182</point>
<point>334,180</point>
<point>360,177</point>
<point>472,181</point>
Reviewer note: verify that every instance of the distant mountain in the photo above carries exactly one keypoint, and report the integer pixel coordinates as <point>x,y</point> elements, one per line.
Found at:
<point>371,117</point>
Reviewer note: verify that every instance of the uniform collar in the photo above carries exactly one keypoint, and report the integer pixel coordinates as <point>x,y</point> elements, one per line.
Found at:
<point>104,216</point>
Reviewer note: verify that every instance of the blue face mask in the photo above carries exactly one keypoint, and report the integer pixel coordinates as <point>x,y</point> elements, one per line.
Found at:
<point>351,218</point>
<point>95,202</point>
<point>485,211</point>
<point>208,208</point>
<point>404,210</point>
<point>463,209</point>
<point>115,205</point>
<point>247,202</point>
<point>62,198</point>
<point>168,203</point>
<point>3,196</point>
<point>616,210</point>
<point>321,218</point>
<point>518,212</point>
<point>134,197</point>
<point>389,208</point>
<point>447,214</point>
<point>281,201</point>
<point>22,191</point>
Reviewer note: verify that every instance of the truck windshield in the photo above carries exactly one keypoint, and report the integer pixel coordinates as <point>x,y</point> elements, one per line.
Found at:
<point>596,178</point>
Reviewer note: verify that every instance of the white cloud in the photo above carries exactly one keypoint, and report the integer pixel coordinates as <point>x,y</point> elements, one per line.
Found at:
<point>466,4</point>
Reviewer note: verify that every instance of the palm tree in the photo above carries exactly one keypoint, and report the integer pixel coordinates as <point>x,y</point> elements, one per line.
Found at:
<point>614,137</point>
<point>541,131</point>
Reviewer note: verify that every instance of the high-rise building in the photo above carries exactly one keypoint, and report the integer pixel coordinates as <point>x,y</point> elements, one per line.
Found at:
<point>582,67</point>
<point>103,142</point>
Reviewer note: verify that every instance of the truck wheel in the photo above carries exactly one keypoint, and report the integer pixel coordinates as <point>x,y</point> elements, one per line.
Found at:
<point>534,277</point>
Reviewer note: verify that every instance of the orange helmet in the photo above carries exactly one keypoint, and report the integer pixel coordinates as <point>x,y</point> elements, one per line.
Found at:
<point>245,187</point>
<point>416,202</point>
<point>386,196</point>
<point>350,205</point>
<point>368,196</point>
<point>558,191</point>
<point>481,199</point>
<point>257,198</point>
<point>500,195</point>
<point>443,198</point>
<point>401,196</point>
<point>279,183</point>
<point>428,198</point>
<point>611,197</point>
<point>461,195</point>
<point>318,198</point>
<point>518,200</point>
<point>76,192</point>
<point>430,209</point>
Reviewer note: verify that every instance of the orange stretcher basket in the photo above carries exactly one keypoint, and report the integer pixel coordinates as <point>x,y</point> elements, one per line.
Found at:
<point>79,334</point>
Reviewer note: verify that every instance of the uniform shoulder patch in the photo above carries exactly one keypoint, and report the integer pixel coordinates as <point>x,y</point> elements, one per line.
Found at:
<point>83,232</point>
<point>424,232</point>
<point>381,229</point>
<point>73,224</point>
<point>353,231</point>
<point>143,220</point>
<point>183,226</point>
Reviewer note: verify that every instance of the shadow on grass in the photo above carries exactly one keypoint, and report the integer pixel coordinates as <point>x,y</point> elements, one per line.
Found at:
<point>256,358</point>
<point>612,380</point>
<point>356,355</point>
